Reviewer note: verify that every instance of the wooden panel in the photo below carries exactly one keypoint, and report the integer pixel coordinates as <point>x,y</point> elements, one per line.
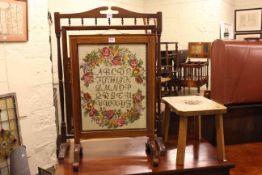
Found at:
<point>241,125</point>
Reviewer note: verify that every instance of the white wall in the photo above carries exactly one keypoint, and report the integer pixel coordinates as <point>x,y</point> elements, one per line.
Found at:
<point>245,4</point>
<point>25,68</point>
<point>76,6</point>
<point>226,11</point>
<point>191,20</point>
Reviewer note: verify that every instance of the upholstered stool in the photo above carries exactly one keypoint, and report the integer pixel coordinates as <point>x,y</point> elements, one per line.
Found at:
<point>190,106</point>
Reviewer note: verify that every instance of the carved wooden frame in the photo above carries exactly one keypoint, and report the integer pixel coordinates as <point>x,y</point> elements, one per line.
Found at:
<point>65,66</point>
<point>149,42</point>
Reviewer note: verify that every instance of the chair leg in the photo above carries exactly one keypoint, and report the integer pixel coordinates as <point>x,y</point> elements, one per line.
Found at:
<point>76,157</point>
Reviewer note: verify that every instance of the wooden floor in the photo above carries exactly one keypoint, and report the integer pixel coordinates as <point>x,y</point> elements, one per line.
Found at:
<point>246,157</point>
<point>127,156</point>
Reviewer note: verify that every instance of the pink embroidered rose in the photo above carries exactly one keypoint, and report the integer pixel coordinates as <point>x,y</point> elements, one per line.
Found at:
<point>138,97</point>
<point>139,79</point>
<point>88,78</point>
<point>116,61</point>
<point>106,52</point>
<point>92,112</point>
<point>133,62</point>
<point>109,114</point>
<point>139,108</point>
<point>121,122</point>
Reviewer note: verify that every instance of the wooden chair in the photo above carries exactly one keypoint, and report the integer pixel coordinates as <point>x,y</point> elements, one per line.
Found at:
<point>194,73</point>
<point>169,64</point>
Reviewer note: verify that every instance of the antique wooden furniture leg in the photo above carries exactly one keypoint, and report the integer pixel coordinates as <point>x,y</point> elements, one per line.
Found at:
<point>159,134</point>
<point>166,121</point>
<point>63,148</point>
<point>161,145</point>
<point>77,149</point>
<point>61,139</point>
<point>220,137</point>
<point>197,128</point>
<point>198,88</point>
<point>182,136</point>
<point>152,150</point>
<point>155,156</point>
<point>159,131</point>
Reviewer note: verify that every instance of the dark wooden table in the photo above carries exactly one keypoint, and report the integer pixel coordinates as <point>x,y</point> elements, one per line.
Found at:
<point>127,156</point>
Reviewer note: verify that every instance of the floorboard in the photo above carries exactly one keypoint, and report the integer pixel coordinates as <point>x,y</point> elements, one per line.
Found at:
<point>246,157</point>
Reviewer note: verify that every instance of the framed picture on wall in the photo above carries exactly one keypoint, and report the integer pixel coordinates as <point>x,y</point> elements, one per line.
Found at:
<point>248,20</point>
<point>226,31</point>
<point>13,21</point>
<point>199,49</point>
<point>243,36</point>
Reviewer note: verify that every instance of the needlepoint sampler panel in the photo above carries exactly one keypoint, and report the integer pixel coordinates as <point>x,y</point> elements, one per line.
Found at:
<point>112,86</point>
<point>113,83</point>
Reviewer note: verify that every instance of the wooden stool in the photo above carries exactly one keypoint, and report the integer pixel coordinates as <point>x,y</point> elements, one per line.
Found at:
<point>188,106</point>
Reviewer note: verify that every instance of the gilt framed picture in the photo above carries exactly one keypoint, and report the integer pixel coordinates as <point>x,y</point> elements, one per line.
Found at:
<point>113,85</point>
<point>199,49</point>
<point>247,20</point>
<point>13,21</point>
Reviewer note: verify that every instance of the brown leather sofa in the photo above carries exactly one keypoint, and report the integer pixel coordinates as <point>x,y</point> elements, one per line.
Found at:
<point>236,72</point>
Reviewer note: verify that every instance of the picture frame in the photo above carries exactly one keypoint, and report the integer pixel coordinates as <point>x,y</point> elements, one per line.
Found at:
<point>116,120</point>
<point>247,20</point>
<point>14,21</point>
<point>9,116</point>
<point>10,129</point>
<point>242,36</point>
<point>226,31</point>
<point>199,49</point>
<point>42,171</point>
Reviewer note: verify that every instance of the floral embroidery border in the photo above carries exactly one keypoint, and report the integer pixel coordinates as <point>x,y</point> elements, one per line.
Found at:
<point>112,55</point>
